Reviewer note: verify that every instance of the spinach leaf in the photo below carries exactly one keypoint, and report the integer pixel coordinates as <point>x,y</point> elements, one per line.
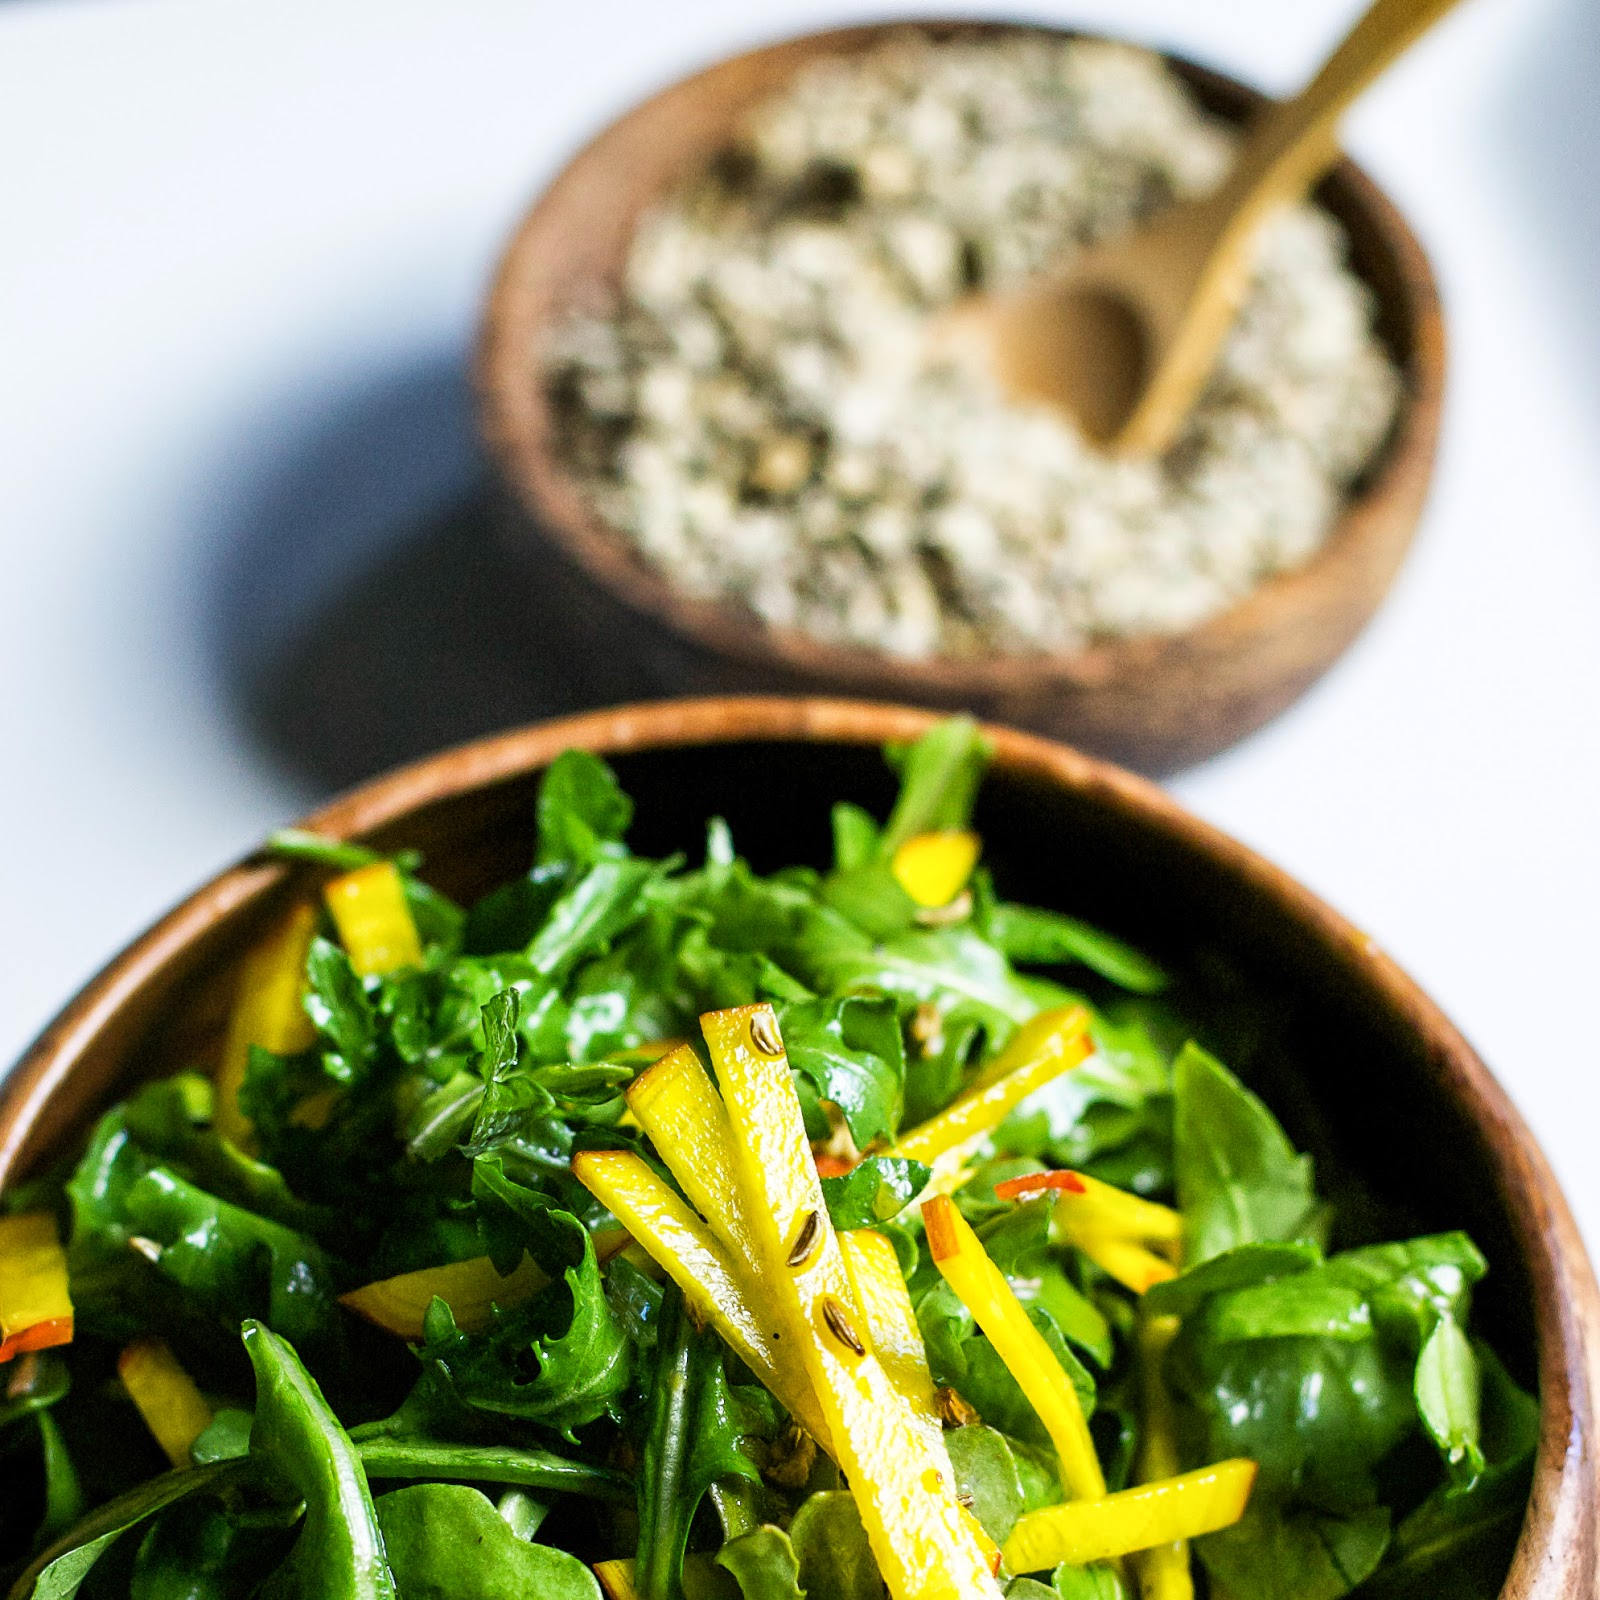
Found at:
<point>880,1188</point>
<point>986,1470</point>
<point>446,1541</point>
<point>831,1548</point>
<point>58,1573</point>
<point>1307,1306</point>
<point>1239,1179</point>
<point>582,812</point>
<point>1447,1387</point>
<point>339,1554</point>
<point>1101,1581</point>
<point>851,1052</point>
<point>1034,938</point>
<point>1237,1268</point>
<point>1303,1554</point>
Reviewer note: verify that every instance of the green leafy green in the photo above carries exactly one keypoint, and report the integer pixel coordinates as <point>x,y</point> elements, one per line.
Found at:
<point>851,1052</point>
<point>832,1550</point>
<point>880,1188</point>
<point>582,812</point>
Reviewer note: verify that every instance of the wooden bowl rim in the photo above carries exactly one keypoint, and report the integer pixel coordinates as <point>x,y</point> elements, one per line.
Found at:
<point>1561,1512</point>
<point>513,415</point>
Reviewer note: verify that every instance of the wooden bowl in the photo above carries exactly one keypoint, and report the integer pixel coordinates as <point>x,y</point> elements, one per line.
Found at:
<point>1155,703</point>
<point>1364,1069</point>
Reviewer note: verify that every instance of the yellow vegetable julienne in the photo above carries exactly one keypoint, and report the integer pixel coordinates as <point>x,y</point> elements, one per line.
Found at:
<point>966,1267</point>
<point>166,1396</point>
<point>698,1262</point>
<point>1054,1031</point>
<point>267,1011</point>
<point>1129,1263</point>
<point>983,1108</point>
<point>933,868</point>
<point>1136,1519</point>
<point>469,1288</point>
<point>677,1104</point>
<point>904,1490</point>
<point>375,926</point>
<point>35,1306</point>
<point>1112,1227</point>
<point>891,1322</point>
<point>1164,1570</point>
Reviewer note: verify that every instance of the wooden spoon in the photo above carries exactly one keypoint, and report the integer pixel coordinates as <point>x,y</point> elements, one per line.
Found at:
<point>1124,337</point>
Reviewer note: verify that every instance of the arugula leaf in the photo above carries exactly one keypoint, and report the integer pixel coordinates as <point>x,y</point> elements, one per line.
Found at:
<point>1447,1387</point>
<point>581,810</point>
<point>763,1564</point>
<point>297,1437</point>
<point>1239,1179</point>
<point>879,1189</point>
<point>851,1052</point>
<point>338,1005</point>
<point>601,903</point>
<point>497,1463</point>
<point>831,1548</point>
<point>1032,937</point>
<point>1018,1239</point>
<point>508,918</point>
<point>446,1541</point>
<point>855,837</point>
<point>196,1551</point>
<point>939,778</point>
<point>568,1335</point>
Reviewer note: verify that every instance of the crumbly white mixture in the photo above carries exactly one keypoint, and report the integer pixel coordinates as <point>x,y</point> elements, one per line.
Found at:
<point>764,417</point>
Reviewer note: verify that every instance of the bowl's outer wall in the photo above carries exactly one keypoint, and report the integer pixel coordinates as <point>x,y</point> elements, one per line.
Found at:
<point>1156,704</point>
<point>1362,1067</point>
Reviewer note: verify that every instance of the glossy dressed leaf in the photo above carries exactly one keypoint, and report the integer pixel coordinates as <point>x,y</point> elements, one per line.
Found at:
<point>1101,1581</point>
<point>446,1541</point>
<point>1411,1284</point>
<point>851,1052</point>
<point>1447,1387</point>
<point>337,1003</point>
<point>1301,1555</point>
<point>986,1470</point>
<point>1239,1179</point>
<point>296,1437</point>
<point>880,1188</point>
<point>581,810</point>
<point>195,1551</point>
<point>831,1548</point>
<point>1032,937</point>
<point>603,902</point>
<point>1292,1308</point>
<point>61,1569</point>
<point>565,1336</point>
<point>763,1564</point>
<point>1237,1268</point>
<point>497,1463</point>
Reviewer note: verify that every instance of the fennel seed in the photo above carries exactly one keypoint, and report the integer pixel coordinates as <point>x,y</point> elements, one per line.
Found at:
<point>806,1240</point>
<point>955,1410</point>
<point>764,1034</point>
<point>840,1325</point>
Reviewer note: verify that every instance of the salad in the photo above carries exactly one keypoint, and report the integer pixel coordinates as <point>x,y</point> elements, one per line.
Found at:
<point>676,1231</point>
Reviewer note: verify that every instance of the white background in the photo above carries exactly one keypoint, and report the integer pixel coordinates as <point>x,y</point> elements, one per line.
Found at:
<point>242,247</point>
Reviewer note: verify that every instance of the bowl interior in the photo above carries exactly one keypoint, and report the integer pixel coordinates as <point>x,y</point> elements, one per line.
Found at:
<point>1290,1002</point>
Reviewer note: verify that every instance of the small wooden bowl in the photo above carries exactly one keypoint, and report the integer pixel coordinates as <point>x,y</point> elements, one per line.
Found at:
<point>1156,703</point>
<point>1367,1074</point>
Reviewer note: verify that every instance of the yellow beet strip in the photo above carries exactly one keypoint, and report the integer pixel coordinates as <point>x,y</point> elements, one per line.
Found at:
<point>616,1579</point>
<point>1096,1207</point>
<point>369,909</point>
<point>1055,1031</point>
<point>1130,1264</point>
<point>173,1409</point>
<point>961,1258</point>
<point>1164,1570</point>
<point>267,1011</point>
<point>469,1288</point>
<point>677,1104</point>
<point>699,1263</point>
<point>35,1306</point>
<point>983,1108</point>
<point>933,868</point>
<point>885,1302</point>
<point>1082,1531</point>
<point>905,1494</point>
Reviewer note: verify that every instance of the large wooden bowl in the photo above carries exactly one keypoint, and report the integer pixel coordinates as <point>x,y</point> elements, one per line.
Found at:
<point>1363,1068</point>
<point>1155,704</point>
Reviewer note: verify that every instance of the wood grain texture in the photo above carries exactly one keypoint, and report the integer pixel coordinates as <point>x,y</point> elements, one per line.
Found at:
<point>1156,704</point>
<point>1371,1076</point>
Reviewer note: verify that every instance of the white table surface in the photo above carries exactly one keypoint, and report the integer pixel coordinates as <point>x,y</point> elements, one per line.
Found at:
<point>241,250</point>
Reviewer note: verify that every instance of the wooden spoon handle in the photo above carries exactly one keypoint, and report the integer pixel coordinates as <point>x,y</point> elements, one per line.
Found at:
<point>1294,142</point>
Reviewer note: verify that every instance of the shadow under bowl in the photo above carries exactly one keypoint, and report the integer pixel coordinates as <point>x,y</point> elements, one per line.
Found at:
<point>1363,1069</point>
<point>1156,703</point>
